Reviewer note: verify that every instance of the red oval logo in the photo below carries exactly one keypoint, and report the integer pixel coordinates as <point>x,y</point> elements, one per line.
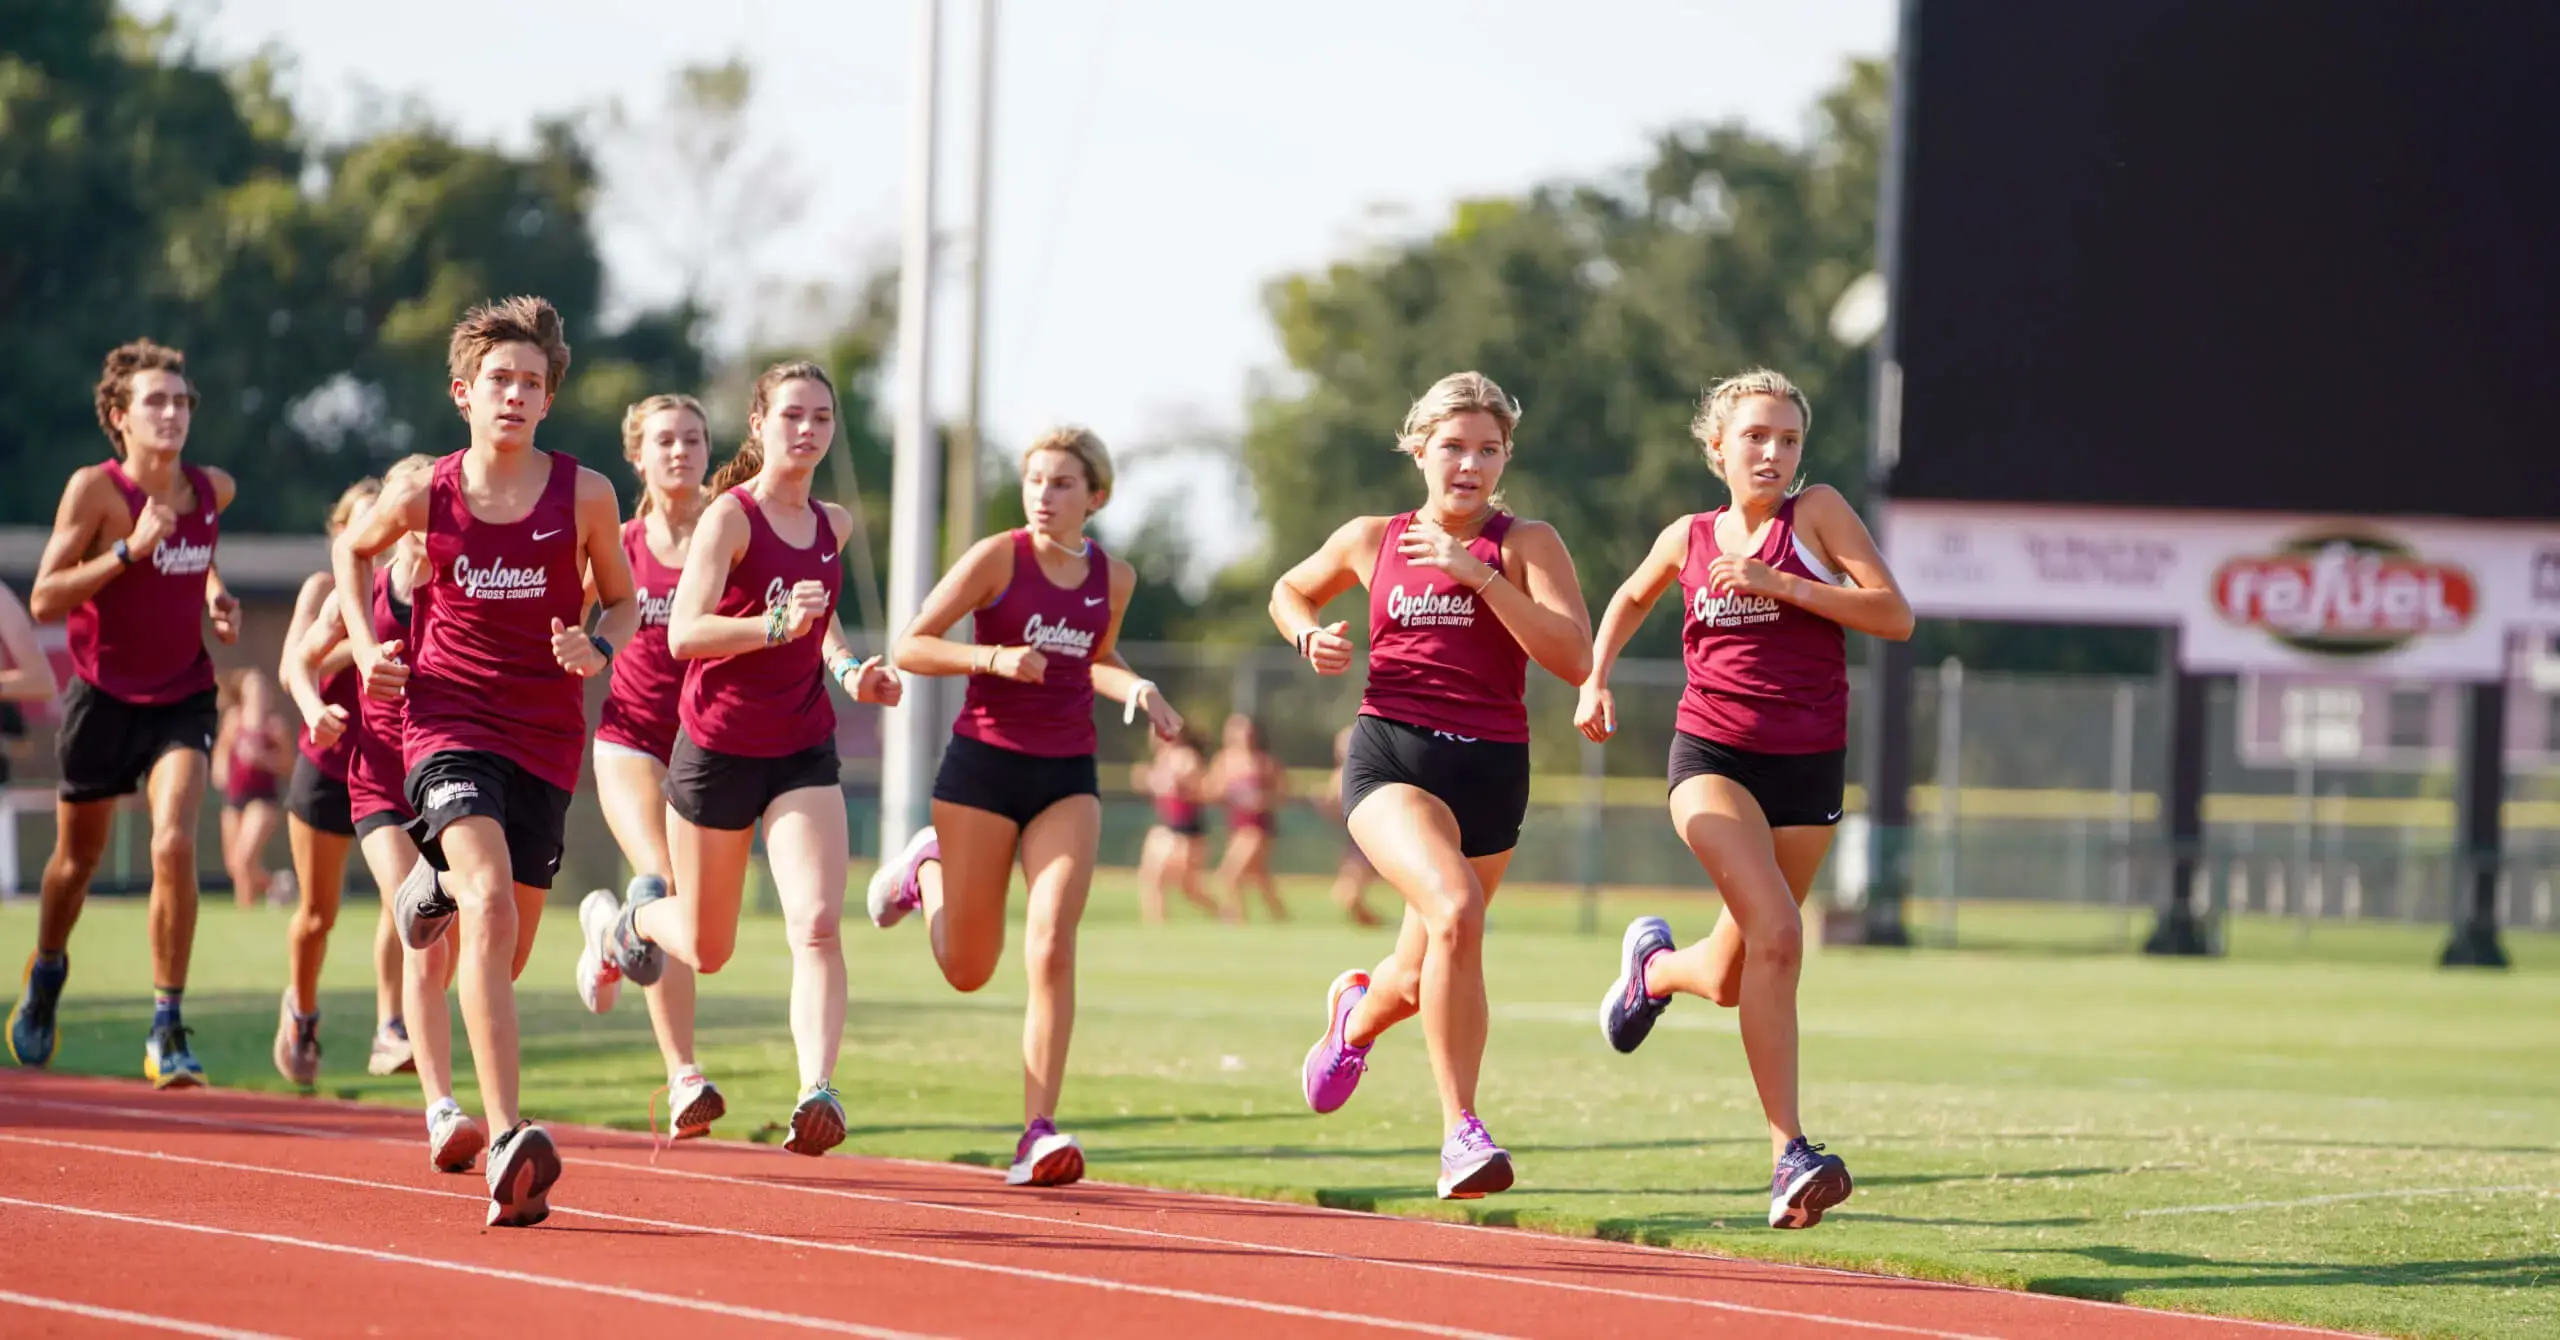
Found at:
<point>2346,595</point>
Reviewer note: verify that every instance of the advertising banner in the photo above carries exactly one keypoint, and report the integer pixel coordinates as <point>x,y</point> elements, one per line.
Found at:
<point>2248,591</point>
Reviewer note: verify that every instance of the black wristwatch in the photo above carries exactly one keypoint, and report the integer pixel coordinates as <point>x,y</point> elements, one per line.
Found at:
<point>603,646</point>
<point>123,553</point>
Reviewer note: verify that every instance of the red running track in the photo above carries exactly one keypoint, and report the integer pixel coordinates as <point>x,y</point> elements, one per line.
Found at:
<point>227,1214</point>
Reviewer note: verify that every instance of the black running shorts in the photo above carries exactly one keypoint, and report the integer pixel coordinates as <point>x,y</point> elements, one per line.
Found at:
<point>710,789</point>
<point>1485,783</point>
<point>107,747</point>
<point>1019,786</point>
<point>1794,790</point>
<point>451,785</point>
<point>318,799</point>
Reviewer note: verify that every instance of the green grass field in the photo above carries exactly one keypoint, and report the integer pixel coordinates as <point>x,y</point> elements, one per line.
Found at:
<point>2095,1124</point>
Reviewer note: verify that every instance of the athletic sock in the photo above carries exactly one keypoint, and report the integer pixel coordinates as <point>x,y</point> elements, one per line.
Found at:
<point>164,1006</point>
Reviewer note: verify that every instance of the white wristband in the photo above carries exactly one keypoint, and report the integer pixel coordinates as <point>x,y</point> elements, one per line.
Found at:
<point>1129,709</point>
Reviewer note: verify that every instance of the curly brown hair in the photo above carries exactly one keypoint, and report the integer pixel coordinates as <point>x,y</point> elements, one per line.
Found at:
<point>115,381</point>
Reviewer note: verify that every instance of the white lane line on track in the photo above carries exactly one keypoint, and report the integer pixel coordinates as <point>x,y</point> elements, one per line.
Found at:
<point>130,1318</point>
<point>1509,1234</point>
<point>478,1272</point>
<point>1456,1272</point>
<point>713,1230</point>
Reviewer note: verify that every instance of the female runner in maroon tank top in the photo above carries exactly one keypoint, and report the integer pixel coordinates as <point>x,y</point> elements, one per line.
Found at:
<point>1173,778</point>
<point>376,797</point>
<point>1766,584</point>
<point>497,727</point>
<point>666,438</point>
<point>1254,786</point>
<point>320,826</point>
<point>130,567</point>
<point>1461,598</point>
<point>754,627</point>
<point>252,749</point>
<point>1018,779</point>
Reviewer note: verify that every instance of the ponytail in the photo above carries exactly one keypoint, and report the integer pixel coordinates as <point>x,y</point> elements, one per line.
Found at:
<point>737,469</point>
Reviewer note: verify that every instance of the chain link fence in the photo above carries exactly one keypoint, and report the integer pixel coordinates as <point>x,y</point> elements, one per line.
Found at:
<point>2027,789</point>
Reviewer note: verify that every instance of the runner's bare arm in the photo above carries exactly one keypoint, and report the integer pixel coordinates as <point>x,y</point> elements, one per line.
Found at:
<point>693,629</point>
<point>1875,606</point>
<point>608,569</point>
<point>75,566</point>
<point>1299,597</point>
<point>972,584</point>
<point>1635,597</point>
<point>400,509</point>
<point>310,650</point>
<point>1112,677</point>
<point>27,676</point>
<point>1544,610</point>
<point>225,488</point>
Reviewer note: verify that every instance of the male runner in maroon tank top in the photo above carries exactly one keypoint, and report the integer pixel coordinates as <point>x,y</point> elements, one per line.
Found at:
<point>129,565</point>
<point>1756,772</point>
<point>497,709</point>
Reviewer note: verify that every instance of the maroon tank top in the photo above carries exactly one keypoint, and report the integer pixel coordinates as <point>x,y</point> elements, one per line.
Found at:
<point>377,774</point>
<point>1053,718</point>
<point>140,639</point>
<point>343,690</point>
<point>640,707</point>
<point>1438,657</point>
<point>250,779</point>
<point>1764,675</point>
<point>484,678</point>
<point>772,701</point>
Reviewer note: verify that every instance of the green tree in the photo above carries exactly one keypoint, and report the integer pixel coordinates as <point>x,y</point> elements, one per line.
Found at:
<point>313,286</point>
<point>1606,307</point>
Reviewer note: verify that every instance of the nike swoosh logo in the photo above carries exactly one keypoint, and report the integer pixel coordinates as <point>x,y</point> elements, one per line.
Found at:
<point>544,534</point>
<point>1091,601</point>
<point>1833,816</point>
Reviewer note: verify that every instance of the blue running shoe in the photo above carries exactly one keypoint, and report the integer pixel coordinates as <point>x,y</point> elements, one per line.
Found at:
<point>31,1028</point>
<point>1627,1016</point>
<point>1805,1183</point>
<point>168,1062</point>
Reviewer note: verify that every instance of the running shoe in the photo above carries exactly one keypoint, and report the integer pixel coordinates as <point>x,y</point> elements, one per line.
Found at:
<point>1805,1183</point>
<point>1471,1164</point>
<point>1333,1067</point>
<point>599,972</point>
<point>894,891</point>
<point>297,1051</point>
<point>523,1164</point>
<point>817,1123</point>
<point>1044,1157</point>
<point>31,1022</point>
<point>1627,1015</point>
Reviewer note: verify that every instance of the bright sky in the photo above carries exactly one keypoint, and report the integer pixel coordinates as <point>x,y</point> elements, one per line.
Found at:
<point>1156,161</point>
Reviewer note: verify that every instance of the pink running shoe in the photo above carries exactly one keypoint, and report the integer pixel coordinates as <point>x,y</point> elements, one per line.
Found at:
<point>1043,1157</point>
<point>1334,1066</point>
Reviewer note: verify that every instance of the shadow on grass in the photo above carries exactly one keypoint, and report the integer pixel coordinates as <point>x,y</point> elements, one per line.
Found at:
<point>2173,1270</point>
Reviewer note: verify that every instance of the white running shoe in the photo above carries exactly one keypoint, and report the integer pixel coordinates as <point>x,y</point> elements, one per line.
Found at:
<point>893,893</point>
<point>599,975</point>
<point>454,1140</point>
<point>693,1103</point>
